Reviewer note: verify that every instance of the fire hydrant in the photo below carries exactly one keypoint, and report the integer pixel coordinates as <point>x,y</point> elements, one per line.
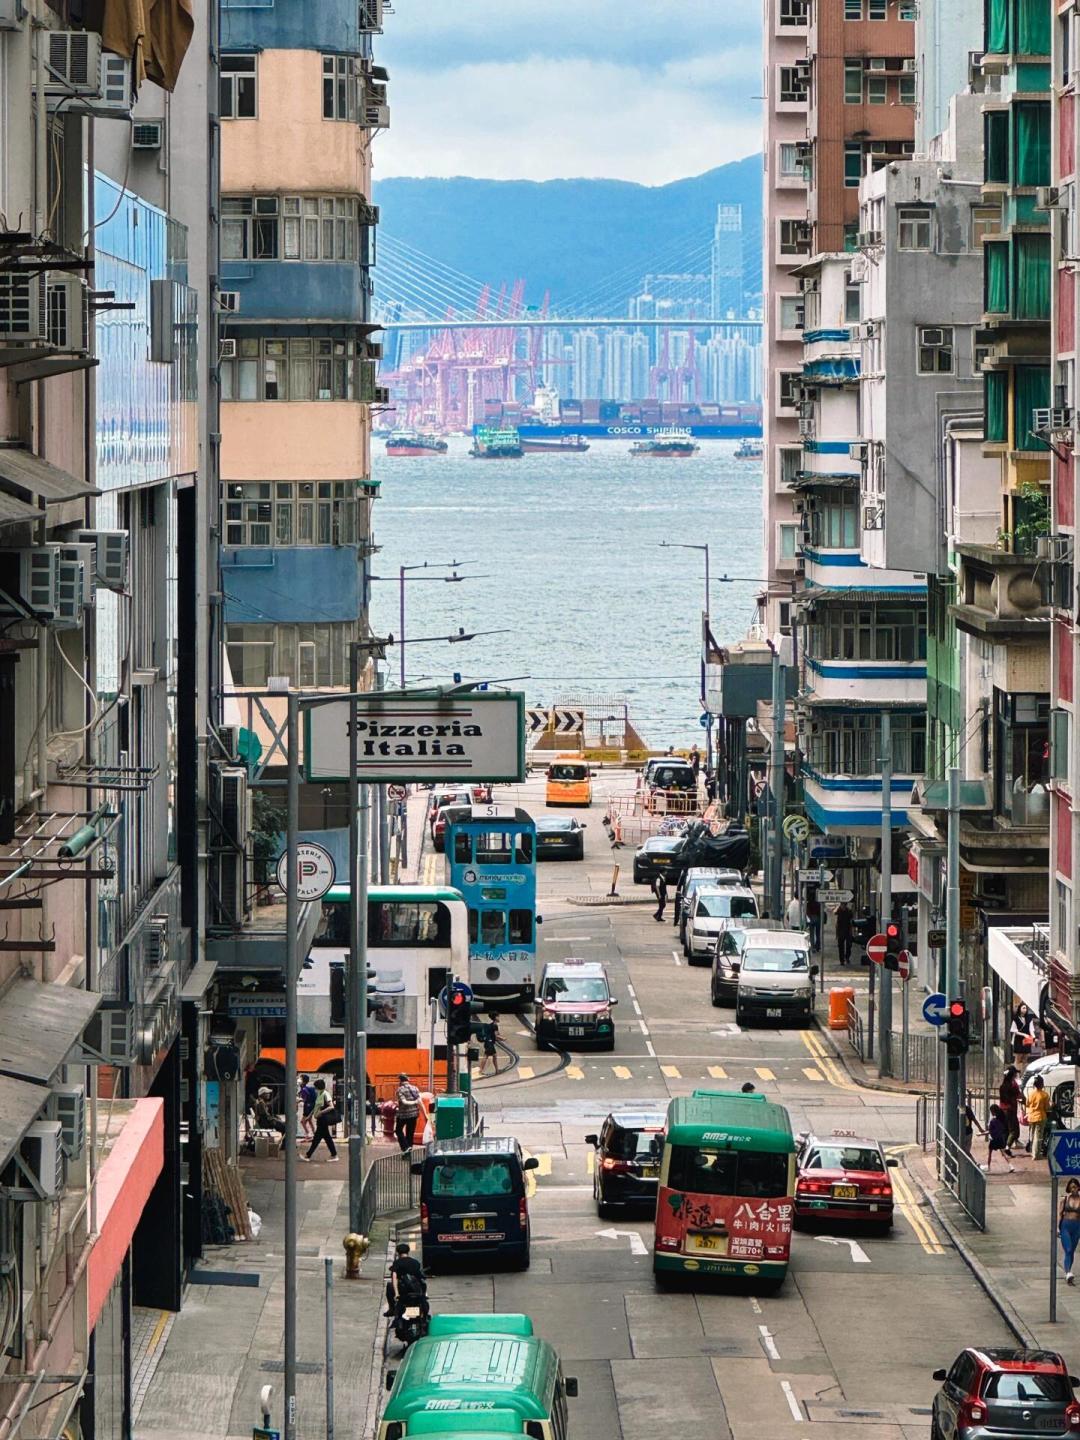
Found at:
<point>356,1247</point>
<point>388,1114</point>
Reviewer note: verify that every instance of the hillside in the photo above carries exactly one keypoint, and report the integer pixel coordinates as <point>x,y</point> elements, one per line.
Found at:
<point>571,236</point>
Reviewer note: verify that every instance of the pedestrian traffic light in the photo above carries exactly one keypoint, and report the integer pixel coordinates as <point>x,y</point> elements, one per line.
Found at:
<point>894,943</point>
<point>957,1030</point>
<point>458,1016</point>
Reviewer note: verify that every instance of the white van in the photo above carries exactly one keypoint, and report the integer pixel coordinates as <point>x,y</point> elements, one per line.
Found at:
<point>712,910</point>
<point>776,977</point>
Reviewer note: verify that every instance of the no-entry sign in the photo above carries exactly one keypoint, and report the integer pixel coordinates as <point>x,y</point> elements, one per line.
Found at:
<point>876,947</point>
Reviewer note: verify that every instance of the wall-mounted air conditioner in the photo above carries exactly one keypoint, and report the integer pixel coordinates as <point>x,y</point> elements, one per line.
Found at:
<point>873,517</point>
<point>229,300</point>
<point>42,1153</point>
<point>111,555</point>
<point>64,322</point>
<point>932,335</point>
<point>110,1034</point>
<point>74,60</point>
<point>155,941</point>
<point>67,1106</point>
<point>232,806</point>
<point>226,349</point>
<point>77,562</point>
<point>12,14</point>
<point>148,134</point>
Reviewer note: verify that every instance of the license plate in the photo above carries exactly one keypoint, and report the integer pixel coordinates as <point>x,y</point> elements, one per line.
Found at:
<point>707,1242</point>
<point>650,1172</point>
<point>474,1225</point>
<point>554,842</point>
<point>775,1013</point>
<point>846,1192</point>
<point>576,1032</point>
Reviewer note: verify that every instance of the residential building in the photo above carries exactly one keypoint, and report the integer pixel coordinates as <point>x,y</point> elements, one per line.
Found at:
<point>948,35</point>
<point>587,379</point>
<point>726,273</point>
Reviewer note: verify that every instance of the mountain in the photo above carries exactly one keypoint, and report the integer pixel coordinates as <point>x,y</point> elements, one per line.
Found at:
<point>570,237</point>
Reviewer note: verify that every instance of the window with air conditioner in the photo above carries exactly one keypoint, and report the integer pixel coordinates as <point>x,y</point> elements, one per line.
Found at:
<point>790,464</point>
<point>290,512</point>
<point>794,237</point>
<point>790,165</point>
<point>788,388</point>
<point>792,12</point>
<point>340,87</point>
<point>793,85</point>
<point>852,299</point>
<point>935,352</point>
<point>791,312</point>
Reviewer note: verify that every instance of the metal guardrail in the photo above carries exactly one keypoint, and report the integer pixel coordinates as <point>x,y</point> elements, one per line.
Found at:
<point>390,1186</point>
<point>959,1173</point>
<point>856,1030</point>
<point>924,1121</point>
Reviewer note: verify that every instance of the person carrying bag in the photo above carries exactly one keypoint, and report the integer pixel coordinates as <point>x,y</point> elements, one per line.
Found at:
<point>324,1114</point>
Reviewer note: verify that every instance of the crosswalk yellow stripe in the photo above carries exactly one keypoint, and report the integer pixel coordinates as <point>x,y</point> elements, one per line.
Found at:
<point>671,1071</point>
<point>718,1072</point>
<point>525,1072</point>
<point>622,1072</point>
<point>574,1072</point>
<point>544,1167</point>
<point>590,1162</point>
<point>812,1074</point>
<point>763,1072</point>
<point>430,862</point>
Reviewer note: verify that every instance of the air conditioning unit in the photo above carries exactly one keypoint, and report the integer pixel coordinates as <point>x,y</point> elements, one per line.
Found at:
<point>20,306</point>
<point>12,13</point>
<point>79,556</point>
<point>226,349</point>
<point>932,335</point>
<point>873,517</point>
<point>74,60</point>
<point>1045,422</point>
<point>806,427</point>
<point>369,214</point>
<point>111,553</point>
<point>907,66</point>
<point>859,451</point>
<point>233,808</point>
<point>148,134</point>
<point>229,300</point>
<point>229,739</point>
<point>1047,197</point>
<point>53,584</point>
<point>867,239</point>
<point>371,17</point>
<point>382,395</point>
<point>155,941</point>
<point>42,1153</point>
<point>110,1034</point>
<point>116,89</point>
<point>802,70</point>
<point>67,1106</point>
<point>64,322</point>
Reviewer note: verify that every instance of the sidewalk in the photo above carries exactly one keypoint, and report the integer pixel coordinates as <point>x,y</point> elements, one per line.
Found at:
<point>209,1363</point>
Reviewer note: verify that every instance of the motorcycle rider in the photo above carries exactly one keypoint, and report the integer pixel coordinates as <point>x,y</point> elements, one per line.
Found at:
<point>406,1285</point>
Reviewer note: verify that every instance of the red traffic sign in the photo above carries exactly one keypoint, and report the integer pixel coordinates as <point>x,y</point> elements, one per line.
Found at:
<point>876,947</point>
<point>903,964</point>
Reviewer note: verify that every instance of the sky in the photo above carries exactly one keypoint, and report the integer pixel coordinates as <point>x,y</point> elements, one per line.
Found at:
<point>643,90</point>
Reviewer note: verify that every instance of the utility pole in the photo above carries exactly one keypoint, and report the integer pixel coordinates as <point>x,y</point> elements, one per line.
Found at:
<point>382,848</point>
<point>776,787</point>
<point>356,987</point>
<point>885,999</point>
<point>951,1118</point>
<point>292,972</point>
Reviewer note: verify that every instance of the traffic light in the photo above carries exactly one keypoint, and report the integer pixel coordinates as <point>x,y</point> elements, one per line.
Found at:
<point>895,943</point>
<point>458,1016</point>
<point>864,929</point>
<point>957,1029</point>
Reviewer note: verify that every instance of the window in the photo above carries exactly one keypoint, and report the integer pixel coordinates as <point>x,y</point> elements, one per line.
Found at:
<point>979,356</point>
<point>1063,913</point>
<point>492,927</point>
<point>237,86</point>
<point>853,9</point>
<point>521,927</point>
<point>985,220</point>
<point>339,87</point>
<point>907,10</point>
<point>789,542</point>
<point>870,632</point>
<point>877,9</point>
<point>1022,771</point>
<point>494,848</point>
<point>877,90</point>
<point>850,744</point>
<point>464,1178</point>
<point>299,368</point>
<point>852,164</point>
<point>791,167</point>
<point>791,312</point>
<point>794,237</point>
<point>906,91</point>
<point>790,465</point>
<point>291,227</point>
<point>853,82</point>
<point>914,230</point>
<point>249,227</point>
<point>792,84</point>
<point>423,922</point>
<point>291,512</point>
<point>792,12</point>
<point>251,654</point>
<point>852,299</point>
<point>727,1172</point>
<point>1060,721</point>
<point>834,522</point>
<point>935,350</point>
<point>789,384</point>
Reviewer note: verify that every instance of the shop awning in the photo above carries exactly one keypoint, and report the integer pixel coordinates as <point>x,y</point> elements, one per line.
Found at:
<point>30,478</point>
<point>20,1103</point>
<point>39,1026</point>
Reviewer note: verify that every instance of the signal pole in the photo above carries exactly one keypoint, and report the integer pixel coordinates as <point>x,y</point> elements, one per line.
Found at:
<point>885,997</point>
<point>950,1119</point>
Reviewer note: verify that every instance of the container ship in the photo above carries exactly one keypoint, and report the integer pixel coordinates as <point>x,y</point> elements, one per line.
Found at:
<point>673,445</point>
<point>491,444</point>
<point>554,445</point>
<point>409,442</point>
<point>623,420</point>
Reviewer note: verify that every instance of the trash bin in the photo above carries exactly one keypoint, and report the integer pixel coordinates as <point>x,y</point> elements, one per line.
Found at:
<point>839,996</point>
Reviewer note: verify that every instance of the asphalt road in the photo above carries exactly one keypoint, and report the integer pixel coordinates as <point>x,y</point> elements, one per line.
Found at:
<point>848,1345</point>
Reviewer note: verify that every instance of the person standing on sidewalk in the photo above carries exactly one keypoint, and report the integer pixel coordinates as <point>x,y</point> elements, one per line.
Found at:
<point>843,920</point>
<point>813,920</point>
<point>1009,1098</point>
<point>408,1108</point>
<point>1069,1227</point>
<point>996,1135</point>
<point>1038,1114</point>
<point>794,913</point>
<point>1022,1033</point>
<point>324,1115</point>
<point>659,889</point>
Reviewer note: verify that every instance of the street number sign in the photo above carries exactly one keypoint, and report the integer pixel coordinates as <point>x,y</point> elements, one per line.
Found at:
<point>935,1009</point>
<point>314,871</point>
<point>876,948</point>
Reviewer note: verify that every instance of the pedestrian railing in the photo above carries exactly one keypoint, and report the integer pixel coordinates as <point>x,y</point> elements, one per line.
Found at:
<point>390,1186</point>
<point>959,1173</point>
<point>856,1032</point>
<point>925,1121</point>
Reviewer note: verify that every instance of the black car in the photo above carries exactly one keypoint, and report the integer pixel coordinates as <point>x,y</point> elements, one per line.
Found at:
<point>674,775</point>
<point>560,837</point>
<point>658,856</point>
<point>627,1168</point>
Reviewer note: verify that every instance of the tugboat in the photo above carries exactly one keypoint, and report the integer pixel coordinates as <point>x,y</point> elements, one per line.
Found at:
<point>409,442</point>
<point>749,450</point>
<point>557,445</point>
<point>496,445</point>
<point>671,444</point>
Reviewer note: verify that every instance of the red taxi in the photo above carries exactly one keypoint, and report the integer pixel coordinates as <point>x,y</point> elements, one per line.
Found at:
<point>843,1177</point>
<point>444,799</point>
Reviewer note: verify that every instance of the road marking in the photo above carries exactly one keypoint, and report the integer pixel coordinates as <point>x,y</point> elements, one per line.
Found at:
<point>718,1072</point>
<point>631,992</point>
<point>637,1244</point>
<point>649,1048</point>
<point>590,1162</point>
<point>754,1305</point>
<point>829,1067</point>
<point>574,1072</point>
<point>671,1071</point>
<point>559,939</point>
<point>644,1028</point>
<point>159,1330</point>
<point>622,1072</point>
<point>729,1029</point>
<point>544,1167</point>
<point>429,869</point>
<point>763,1072</point>
<point>637,1008</point>
<point>768,1344</point>
<point>906,1203</point>
<point>525,1072</point>
<point>793,1404</point>
<point>812,1074</point>
<point>676,957</point>
<point>858,1254</point>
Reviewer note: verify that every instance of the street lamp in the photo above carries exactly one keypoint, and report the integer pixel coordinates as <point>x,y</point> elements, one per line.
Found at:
<point>685,545</point>
<point>404,570</point>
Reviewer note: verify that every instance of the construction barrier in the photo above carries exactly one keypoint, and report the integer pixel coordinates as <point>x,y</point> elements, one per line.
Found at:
<point>839,998</point>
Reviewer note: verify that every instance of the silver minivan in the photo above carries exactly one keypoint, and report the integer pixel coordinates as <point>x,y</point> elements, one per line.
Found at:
<point>776,977</point>
<point>712,910</point>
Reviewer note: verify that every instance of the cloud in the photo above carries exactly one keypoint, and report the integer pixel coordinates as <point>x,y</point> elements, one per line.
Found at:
<point>629,89</point>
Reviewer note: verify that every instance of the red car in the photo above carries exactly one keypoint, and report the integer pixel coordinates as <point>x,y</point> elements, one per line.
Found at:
<point>843,1177</point>
<point>999,1392</point>
<point>442,799</point>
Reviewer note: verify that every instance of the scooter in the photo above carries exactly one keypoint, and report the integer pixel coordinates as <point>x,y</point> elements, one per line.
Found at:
<point>410,1324</point>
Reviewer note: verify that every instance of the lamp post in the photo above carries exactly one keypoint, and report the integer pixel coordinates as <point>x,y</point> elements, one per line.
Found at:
<point>704,549</point>
<point>403,573</point>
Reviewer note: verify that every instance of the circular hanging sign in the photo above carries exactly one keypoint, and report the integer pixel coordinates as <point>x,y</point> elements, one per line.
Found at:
<point>314,871</point>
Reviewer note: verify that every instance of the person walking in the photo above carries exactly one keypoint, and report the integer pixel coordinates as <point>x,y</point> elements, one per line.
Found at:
<point>659,889</point>
<point>1022,1033</point>
<point>997,1135</point>
<point>794,913</point>
<point>843,920</point>
<point>813,920</point>
<point>306,1097</point>
<point>491,1036</point>
<point>1009,1098</point>
<point>408,1108</point>
<point>324,1114</point>
<point>695,760</point>
<point>968,1125</point>
<point>1038,1115</point>
<point>1069,1227</point>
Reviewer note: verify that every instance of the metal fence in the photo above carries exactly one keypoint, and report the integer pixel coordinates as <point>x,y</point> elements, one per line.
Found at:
<point>955,1168</point>
<point>856,1030</point>
<point>390,1187</point>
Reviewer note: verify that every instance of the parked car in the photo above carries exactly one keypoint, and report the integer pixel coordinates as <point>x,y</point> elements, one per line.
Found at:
<point>1005,1392</point>
<point>776,977</point>
<point>727,957</point>
<point>1059,1079</point>
<point>627,1161</point>
<point>559,837</point>
<point>656,857</point>
<point>710,913</point>
<point>672,775</point>
<point>445,795</point>
<point>474,1203</point>
<point>843,1177</point>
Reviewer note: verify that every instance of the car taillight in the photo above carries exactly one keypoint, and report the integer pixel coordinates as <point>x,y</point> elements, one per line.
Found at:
<point>423,1218</point>
<point>972,1412</point>
<point>814,1187</point>
<point>523,1213</point>
<point>609,1164</point>
<point>1072,1415</point>
<point>877,1189</point>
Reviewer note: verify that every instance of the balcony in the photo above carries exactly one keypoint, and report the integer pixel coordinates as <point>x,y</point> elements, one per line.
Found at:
<point>1000,594</point>
<point>309,292</point>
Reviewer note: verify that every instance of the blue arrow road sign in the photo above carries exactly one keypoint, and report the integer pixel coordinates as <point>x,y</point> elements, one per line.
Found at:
<point>1064,1152</point>
<point>935,1008</point>
<point>703,721</point>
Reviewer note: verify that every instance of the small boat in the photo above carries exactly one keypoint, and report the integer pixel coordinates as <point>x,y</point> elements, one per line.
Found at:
<point>410,442</point>
<point>668,445</point>
<point>496,445</point>
<point>749,450</point>
<point>556,445</point>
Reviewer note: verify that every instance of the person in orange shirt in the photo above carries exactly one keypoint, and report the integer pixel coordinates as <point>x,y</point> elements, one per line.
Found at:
<point>1038,1114</point>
